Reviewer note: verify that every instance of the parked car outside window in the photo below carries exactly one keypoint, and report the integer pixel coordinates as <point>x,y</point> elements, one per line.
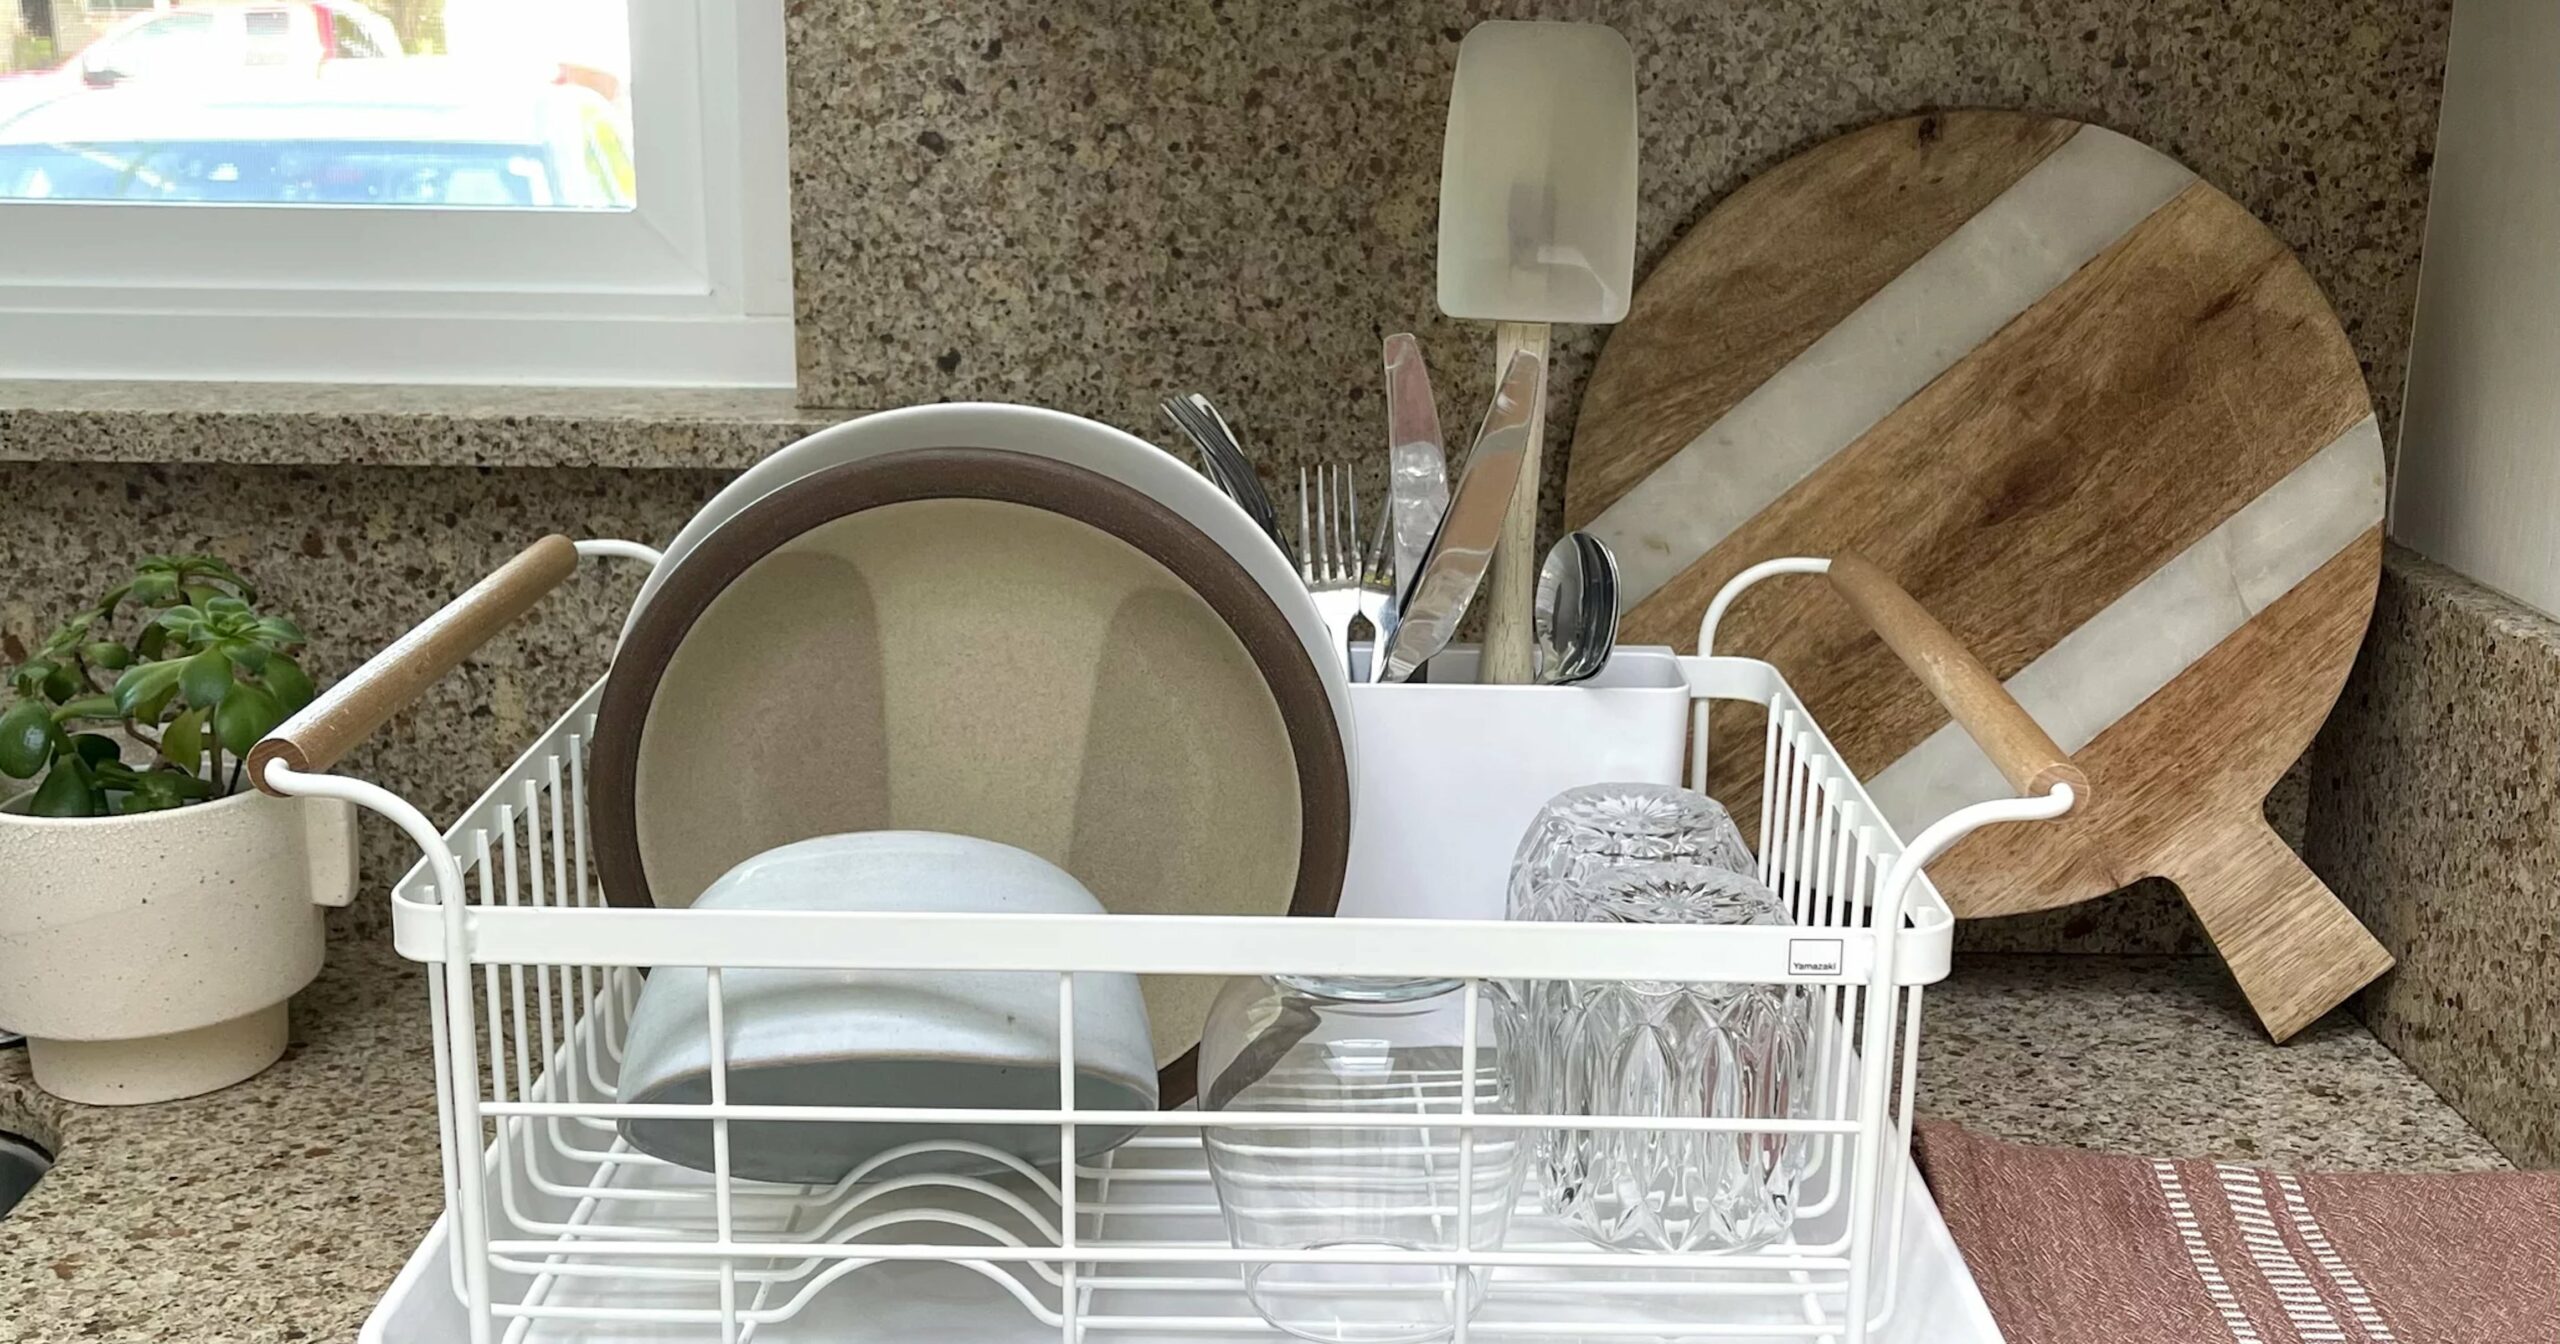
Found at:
<point>210,39</point>
<point>414,136</point>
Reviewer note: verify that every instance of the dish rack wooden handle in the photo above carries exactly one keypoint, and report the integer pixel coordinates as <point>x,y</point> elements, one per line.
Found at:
<point>348,712</point>
<point>2026,754</point>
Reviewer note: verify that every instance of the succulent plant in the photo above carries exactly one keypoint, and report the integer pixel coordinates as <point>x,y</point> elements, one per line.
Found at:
<point>200,679</point>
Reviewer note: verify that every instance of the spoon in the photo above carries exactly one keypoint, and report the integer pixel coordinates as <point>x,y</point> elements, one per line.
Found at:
<point>1576,610</point>
<point>1223,460</point>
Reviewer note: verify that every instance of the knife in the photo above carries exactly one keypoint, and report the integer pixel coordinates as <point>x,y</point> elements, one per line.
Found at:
<point>1463,543</point>
<point>1417,462</point>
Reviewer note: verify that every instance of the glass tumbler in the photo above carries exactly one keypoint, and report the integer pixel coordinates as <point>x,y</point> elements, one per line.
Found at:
<point>1674,1050</point>
<point>1597,826</point>
<point>1395,1048</point>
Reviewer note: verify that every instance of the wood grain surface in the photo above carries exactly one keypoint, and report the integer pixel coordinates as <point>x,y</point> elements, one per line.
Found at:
<point>2177,413</point>
<point>2048,472</point>
<point>2181,781</point>
<point>1825,231</point>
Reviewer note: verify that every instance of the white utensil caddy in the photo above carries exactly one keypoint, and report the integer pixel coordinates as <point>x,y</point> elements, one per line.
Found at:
<point>1452,773</point>
<point>556,1229</point>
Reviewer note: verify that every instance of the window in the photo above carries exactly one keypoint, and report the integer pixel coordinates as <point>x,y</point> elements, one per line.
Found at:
<point>499,191</point>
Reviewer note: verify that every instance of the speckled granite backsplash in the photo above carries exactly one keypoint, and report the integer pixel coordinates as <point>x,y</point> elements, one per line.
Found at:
<point>2435,813</point>
<point>359,555</point>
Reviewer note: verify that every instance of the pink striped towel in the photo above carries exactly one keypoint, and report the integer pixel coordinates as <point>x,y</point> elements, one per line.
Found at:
<point>2073,1247</point>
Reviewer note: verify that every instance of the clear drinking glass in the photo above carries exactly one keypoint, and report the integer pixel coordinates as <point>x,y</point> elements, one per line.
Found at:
<point>1596,826</point>
<point>1393,1047</point>
<point>1660,1048</point>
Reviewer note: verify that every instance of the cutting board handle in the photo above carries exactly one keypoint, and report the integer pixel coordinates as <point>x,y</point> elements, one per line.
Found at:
<point>2292,945</point>
<point>2027,755</point>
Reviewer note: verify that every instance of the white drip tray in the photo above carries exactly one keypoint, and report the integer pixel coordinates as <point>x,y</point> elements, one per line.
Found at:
<point>926,1303</point>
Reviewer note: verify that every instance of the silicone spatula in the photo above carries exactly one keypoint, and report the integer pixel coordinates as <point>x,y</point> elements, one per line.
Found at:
<point>1537,227</point>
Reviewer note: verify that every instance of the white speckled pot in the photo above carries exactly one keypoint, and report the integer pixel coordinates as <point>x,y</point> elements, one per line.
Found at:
<point>150,957</point>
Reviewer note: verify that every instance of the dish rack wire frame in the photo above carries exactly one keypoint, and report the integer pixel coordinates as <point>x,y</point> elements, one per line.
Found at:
<point>507,892</point>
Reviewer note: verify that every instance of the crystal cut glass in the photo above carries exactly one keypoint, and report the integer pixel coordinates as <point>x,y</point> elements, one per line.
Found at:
<point>1672,1050</point>
<point>1598,826</point>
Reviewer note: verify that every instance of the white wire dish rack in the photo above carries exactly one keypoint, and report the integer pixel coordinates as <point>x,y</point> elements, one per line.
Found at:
<point>556,1229</point>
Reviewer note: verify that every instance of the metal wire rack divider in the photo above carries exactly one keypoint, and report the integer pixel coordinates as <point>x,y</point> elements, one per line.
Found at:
<point>558,1224</point>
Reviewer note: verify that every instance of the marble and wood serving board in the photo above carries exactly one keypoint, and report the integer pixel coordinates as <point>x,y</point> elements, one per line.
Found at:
<point>2098,420</point>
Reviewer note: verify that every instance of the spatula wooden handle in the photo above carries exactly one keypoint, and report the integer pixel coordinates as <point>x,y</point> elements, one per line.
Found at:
<point>1511,585</point>
<point>345,715</point>
<point>2027,755</point>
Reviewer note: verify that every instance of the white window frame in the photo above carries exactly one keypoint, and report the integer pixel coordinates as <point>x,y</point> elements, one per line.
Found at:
<point>690,288</point>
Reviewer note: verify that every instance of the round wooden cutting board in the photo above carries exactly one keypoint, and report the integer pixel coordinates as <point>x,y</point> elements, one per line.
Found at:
<point>2098,420</point>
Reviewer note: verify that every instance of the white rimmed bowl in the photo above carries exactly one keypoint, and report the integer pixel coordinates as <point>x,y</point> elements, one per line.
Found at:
<point>972,1039</point>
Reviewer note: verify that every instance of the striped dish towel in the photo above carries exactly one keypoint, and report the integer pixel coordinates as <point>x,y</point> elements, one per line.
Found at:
<point>2073,1247</point>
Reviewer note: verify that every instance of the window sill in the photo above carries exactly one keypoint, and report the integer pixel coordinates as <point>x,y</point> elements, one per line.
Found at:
<point>274,424</point>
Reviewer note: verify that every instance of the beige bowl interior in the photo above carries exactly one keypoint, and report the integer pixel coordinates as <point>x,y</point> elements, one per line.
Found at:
<point>981,668</point>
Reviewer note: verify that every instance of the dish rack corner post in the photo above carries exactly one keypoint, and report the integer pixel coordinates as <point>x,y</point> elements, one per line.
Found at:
<point>2043,774</point>
<point>293,761</point>
<point>457,1054</point>
<point>1723,602</point>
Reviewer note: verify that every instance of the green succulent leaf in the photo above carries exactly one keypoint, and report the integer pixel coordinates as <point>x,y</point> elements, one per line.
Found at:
<point>109,775</point>
<point>149,711</point>
<point>61,641</point>
<point>245,715</point>
<point>155,587</point>
<point>205,678</point>
<point>108,654</point>
<point>146,684</point>
<point>212,567</point>
<point>28,678</point>
<point>27,739</point>
<point>66,792</point>
<point>291,685</point>
<point>85,707</point>
<point>182,742</point>
<point>149,645</point>
<point>247,655</point>
<point>282,633</point>
<point>62,683</point>
<point>159,790</point>
<point>95,749</point>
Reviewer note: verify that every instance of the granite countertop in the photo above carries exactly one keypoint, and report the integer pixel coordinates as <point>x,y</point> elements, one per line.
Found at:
<point>293,424</point>
<point>281,1208</point>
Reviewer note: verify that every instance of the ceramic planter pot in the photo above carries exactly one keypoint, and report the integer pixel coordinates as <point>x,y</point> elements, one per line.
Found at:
<point>150,957</point>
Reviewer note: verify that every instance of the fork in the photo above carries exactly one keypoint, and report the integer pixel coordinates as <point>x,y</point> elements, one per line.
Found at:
<point>1343,584</point>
